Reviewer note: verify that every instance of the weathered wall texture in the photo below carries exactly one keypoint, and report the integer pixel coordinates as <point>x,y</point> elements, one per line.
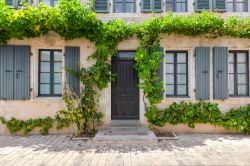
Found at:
<point>47,106</point>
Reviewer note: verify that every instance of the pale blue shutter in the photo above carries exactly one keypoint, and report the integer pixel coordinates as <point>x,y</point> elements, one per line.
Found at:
<point>157,6</point>
<point>202,81</point>
<point>22,73</point>
<point>203,5</point>
<point>160,72</point>
<point>72,61</point>
<point>10,2</point>
<point>220,74</point>
<point>102,6</point>
<point>6,72</point>
<point>220,5</point>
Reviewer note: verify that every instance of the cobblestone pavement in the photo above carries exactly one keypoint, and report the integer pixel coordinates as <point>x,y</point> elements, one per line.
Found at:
<point>190,149</point>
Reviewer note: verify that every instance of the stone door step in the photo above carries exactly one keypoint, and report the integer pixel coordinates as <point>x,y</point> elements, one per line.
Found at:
<point>130,135</point>
<point>125,123</point>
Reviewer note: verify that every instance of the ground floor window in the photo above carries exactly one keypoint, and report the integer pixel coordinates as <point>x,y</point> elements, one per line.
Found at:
<point>238,73</point>
<point>237,5</point>
<point>176,69</point>
<point>50,73</point>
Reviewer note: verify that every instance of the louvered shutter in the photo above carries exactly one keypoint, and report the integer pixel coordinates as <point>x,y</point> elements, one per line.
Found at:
<point>146,6</point>
<point>220,5</point>
<point>102,6</point>
<point>72,61</point>
<point>157,5</point>
<point>160,71</point>
<point>6,72</point>
<point>220,73</point>
<point>22,73</point>
<point>9,2</point>
<point>203,5</point>
<point>202,82</point>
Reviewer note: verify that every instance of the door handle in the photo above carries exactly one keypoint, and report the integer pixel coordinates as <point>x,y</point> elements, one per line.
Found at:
<point>218,73</point>
<point>8,71</point>
<point>205,71</point>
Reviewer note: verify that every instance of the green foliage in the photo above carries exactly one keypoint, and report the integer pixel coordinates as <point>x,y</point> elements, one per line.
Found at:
<point>82,110</point>
<point>201,112</point>
<point>15,125</point>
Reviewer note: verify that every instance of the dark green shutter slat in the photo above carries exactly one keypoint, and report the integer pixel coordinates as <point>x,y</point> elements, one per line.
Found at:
<point>202,82</point>
<point>157,6</point>
<point>22,73</point>
<point>160,71</point>
<point>146,5</point>
<point>6,72</point>
<point>220,5</point>
<point>220,73</point>
<point>102,6</point>
<point>203,5</point>
<point>72,61</point>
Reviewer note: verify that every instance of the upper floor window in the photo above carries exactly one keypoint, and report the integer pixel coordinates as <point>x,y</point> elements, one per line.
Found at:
<point>176,5</point>
<point>238,73</point>
<point>50,73</point>
<point>237,5</point>
<point>49,2</point>
<point>124,6</point>
<point>176,73</point>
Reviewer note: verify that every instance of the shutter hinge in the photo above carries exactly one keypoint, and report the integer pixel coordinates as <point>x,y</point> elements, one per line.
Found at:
<point>194,90</point>
<point>31,89</point>
<point>64,54</point>
<point>31,54</point>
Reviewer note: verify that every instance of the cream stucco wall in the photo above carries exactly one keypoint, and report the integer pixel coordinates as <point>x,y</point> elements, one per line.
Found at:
<point>47,106</point>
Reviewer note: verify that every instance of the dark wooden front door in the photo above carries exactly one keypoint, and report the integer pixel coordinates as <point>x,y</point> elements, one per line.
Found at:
<point>124,90</point>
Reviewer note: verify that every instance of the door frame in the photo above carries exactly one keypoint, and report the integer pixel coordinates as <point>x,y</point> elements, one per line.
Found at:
<point>115,58</point>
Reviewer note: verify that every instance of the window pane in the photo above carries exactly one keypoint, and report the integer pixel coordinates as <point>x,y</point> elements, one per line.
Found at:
<point>241,68</point>
<point>130,7</point>
<point>231,68</point>
<point>44,89</point>
<point>57,67</point>
<point>55,3</point>
<point>118,8</point>
<point>181,79</point>
<point>170,68</point>
<point>181,90</point>
<point>231,84</point>
<point>181,58</point>
<point>170,89</point>
<point>181,68</point>
<point>57,56</point>
<point>231,58</point>
<point>240,7</point>
<point>242,90</point>
<point>46,2</point>
<point>169,58</point>
<point>57,78</point>
<point>57,89</point>
<point>170,78</point>
<point>242,79</point>
<point>180,7</point>
<point>45,66</point>
<point>241,57</point>
<point>45,56</point>
<point>169,7</point>
<point>44,77</point>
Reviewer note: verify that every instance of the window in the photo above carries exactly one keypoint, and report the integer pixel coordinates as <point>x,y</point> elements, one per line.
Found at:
<point>124,6</point>
<point>50,73</point>
<point>237,5</point>
<point>176,5</point>
<point>176,73</point>
<point>238,73</point>
<point>49,2</point>
<point>17,3</point>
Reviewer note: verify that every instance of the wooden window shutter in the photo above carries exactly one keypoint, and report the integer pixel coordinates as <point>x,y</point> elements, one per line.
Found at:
<point>220,73</point>
<point>220,5</point>
<point>146,6</point>
<point>202,74</point>
<point>101,6</point>
<point>157,6</point>
<point>22,73</point>
<point>203,5</point>
<point>72,61</point>
<point>160,71</point>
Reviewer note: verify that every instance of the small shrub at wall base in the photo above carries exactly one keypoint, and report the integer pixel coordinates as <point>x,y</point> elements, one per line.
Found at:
<point>201,112</point>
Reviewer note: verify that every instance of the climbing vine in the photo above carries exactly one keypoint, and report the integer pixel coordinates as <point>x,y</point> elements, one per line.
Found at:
<point>71,20</point>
